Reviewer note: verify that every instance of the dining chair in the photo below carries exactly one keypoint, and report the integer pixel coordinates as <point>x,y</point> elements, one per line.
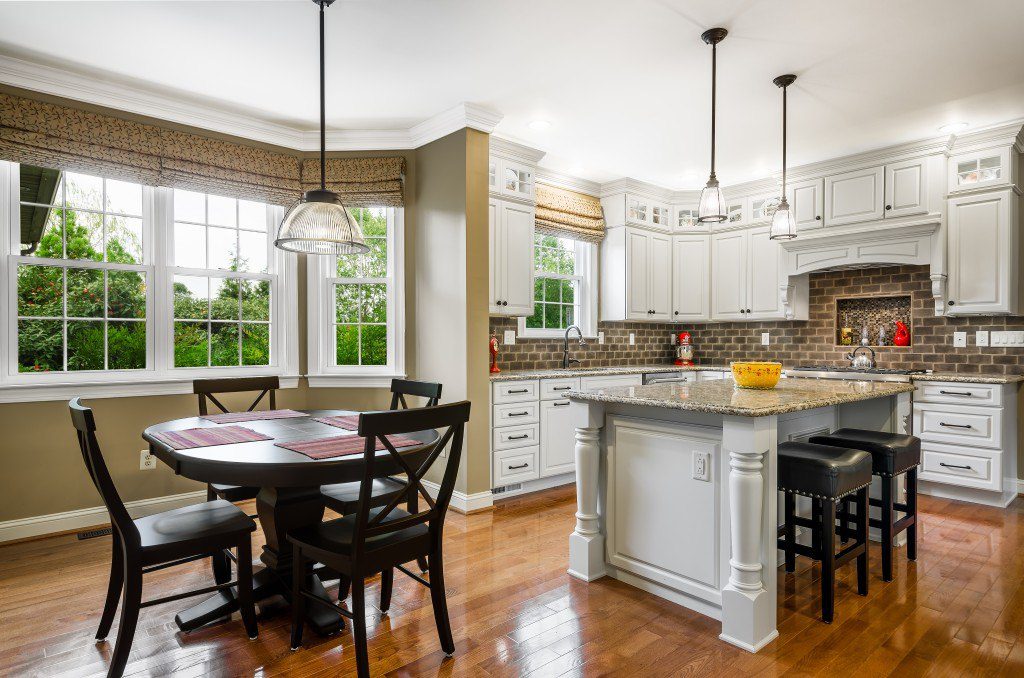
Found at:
<point>343,498</point>
<point>159,541</point>
<point>207,390</point>
<point>381,538</point>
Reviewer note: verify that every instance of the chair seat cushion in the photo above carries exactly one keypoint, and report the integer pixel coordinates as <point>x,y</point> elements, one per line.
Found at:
<point>235,492</point>
<point>891,453</point>
<point>335,536</point>
<point>344,497</point>
<point>822,471</point>
<point>193,523</point>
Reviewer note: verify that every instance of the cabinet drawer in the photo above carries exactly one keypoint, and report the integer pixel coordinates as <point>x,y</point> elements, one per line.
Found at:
<point>598,383</point>
<point>958,424</point>
<point>961,394</point>
<point>508,437</point>
<point>514,392</point>
<point>964,466</point>
<point>555,389</point>
<point>515,413</point>
<point>515,466</point>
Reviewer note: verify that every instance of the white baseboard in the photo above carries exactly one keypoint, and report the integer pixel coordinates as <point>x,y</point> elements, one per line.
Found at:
<point>54,523</point>
<point>461,502</point>
<point>528,486</point>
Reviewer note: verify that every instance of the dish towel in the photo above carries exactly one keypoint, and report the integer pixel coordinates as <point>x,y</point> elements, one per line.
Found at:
<point>232,417</point>
<point>208,437</point>
<point>341,446</point>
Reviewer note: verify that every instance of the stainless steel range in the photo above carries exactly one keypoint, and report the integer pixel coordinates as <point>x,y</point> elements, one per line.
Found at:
<point>843,372</point>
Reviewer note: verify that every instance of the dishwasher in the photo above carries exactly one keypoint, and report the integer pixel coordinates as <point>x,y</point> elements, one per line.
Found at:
<point>663,377</point>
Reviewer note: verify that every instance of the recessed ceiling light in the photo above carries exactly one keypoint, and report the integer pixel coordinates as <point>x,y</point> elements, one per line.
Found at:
<point>539,125</point>
<point>953,128</point>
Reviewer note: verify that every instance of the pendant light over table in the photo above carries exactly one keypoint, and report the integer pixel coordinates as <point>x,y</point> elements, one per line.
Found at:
<point>319,223</point>
<point>783,224</point>
<point>712,204</point>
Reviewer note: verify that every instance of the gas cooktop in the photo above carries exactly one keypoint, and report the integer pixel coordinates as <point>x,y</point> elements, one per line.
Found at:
<point>847,372</point>
<point>847,368</point>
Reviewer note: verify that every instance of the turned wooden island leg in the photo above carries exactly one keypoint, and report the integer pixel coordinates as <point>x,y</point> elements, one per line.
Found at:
<point>586,543</point>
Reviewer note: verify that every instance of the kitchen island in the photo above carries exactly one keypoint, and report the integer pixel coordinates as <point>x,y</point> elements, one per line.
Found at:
<point>676,486</point>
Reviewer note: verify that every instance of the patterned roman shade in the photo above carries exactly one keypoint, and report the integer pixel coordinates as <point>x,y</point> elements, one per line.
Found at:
<point>568,214</point>
<point>66,138</point>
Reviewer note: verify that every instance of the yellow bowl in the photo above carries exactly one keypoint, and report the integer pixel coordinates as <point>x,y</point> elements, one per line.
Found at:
<point>763,375</point>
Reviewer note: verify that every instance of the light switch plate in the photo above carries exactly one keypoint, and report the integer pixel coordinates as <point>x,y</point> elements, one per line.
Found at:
<point>632,339</point>
<point>766,338</point>
<point>510,337</point>
<point>1009,339</point>
<point>600,337</point>
<point>959,339</point>
<point>981,338</point>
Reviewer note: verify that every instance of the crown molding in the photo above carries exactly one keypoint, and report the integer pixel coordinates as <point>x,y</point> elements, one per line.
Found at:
<point>513,150</point>
<point>1004,134</point>
<point>94,90</point>
<point>568,182</point>
<point>636,187</point>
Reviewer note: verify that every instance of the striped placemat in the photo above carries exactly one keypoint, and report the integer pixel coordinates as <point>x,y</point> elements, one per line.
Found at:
<point>341,446</point>
<point>259,415</point>
<point>349,422</point>
<point>208,437</point>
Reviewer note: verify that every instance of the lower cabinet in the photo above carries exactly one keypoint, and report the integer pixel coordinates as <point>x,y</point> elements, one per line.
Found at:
<point>557,438</point>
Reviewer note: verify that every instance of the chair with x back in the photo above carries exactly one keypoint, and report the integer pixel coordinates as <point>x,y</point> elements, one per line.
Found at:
<point>160,541</point>
<point>381,538</point>
<point>343,497</point>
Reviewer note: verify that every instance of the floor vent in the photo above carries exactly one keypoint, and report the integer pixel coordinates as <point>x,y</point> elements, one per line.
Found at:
<point>92,534</point>
<point>507,488</point>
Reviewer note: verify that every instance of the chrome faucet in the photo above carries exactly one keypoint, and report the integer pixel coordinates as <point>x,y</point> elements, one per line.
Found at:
<point>861,360</point>
<point>566,360</point>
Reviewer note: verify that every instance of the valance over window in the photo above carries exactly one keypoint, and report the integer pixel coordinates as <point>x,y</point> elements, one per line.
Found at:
<point>65,138</point>
<point>568,214</point>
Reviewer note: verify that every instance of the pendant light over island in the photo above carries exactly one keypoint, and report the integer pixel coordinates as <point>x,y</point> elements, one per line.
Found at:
<point>783,224</point>
<point>712,204</point>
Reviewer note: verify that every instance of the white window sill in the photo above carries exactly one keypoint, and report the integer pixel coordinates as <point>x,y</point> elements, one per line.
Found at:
<point>352,380</point>
<point>25,393</point>
<point>554,334</point>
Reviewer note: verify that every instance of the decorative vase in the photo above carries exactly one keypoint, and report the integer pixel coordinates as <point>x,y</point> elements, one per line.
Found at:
<point>902,336</point>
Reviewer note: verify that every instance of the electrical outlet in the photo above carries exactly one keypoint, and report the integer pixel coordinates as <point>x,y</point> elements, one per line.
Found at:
<point>147,462</point>
<point>981,338</point>
<point>959,339</point>
<point>600,337</point>
<point>701,466</point>
<point>632,339</point>
<point>766,338</point>
<point>510,337</point>
<point>672,339</point>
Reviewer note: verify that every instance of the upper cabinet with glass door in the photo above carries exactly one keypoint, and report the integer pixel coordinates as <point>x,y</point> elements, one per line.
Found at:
<point>511,179</point>
<point>981,169</point>
<point>641,211</point>
<point>686,221</point>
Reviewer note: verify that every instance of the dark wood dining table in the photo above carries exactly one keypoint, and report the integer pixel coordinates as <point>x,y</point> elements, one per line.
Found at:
<point>289,496</point>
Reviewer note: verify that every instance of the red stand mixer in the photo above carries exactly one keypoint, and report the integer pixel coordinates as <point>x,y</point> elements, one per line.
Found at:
<point>684,349</point>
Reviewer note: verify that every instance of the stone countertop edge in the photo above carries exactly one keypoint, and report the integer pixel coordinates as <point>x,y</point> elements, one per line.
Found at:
<point>721,397</point>
<point>969,378</point>
<point>556,372</point>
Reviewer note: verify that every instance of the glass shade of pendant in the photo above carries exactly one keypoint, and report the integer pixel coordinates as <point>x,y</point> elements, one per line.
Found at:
<point>320,224</point>
<point>712,204</point>
<point>783,226</point>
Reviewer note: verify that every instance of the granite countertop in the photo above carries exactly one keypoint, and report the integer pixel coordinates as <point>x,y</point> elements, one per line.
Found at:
<point>555,372</point>
<point>969,378</point>
<point>721,397</point>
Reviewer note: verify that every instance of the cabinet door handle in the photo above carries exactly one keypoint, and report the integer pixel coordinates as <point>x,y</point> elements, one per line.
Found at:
<point>817,218</point>
<point>522,437</point>
<point>524,465</point>
<point>965,468</point>
<point>942,423</point>
<point>888,207</point>
<point>748,310</point>
<point>561,388</point>
<point>519,390</point>
<point>677,313</point>
<point>957,393</point>
<point>562,404</point>
<point>951,302</point>
<point>518,414</point>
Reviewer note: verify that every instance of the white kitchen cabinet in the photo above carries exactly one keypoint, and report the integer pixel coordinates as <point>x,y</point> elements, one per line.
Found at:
<point>596,383</point>
<point>983,252</point>
<point>765,257</point>
<point>636,278</point>
<point>982,169</point>
<point>807,202</point>
<point>906,188</point>
<point>854,196</point>
<point>660,277</point>
<point>691,277</point>
<point>735,213</point>
<point>686,221</point>
<point>514,179</point>
<point>511,231</point>
<point>557,438</point>
<point>661,216</point>
<point>746,275</point>
<point>757,207</point>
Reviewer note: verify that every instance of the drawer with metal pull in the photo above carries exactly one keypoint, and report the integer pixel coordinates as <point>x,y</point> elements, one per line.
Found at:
<point>514,391</point>
<point>516,466</point>
<point>509,437</point>
<point>958,424</point>
<point>555,389</point>
<point>515,413</point>
<point>963,466</point>
<point>958,394</point>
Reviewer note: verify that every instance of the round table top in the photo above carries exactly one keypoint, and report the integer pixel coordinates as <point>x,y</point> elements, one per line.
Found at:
<point>264,464</point>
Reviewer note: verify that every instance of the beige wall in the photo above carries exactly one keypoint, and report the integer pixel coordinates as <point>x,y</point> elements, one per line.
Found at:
<point>42,468</point>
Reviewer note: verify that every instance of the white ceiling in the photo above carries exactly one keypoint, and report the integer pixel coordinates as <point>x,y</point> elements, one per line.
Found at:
<point>624,83</point>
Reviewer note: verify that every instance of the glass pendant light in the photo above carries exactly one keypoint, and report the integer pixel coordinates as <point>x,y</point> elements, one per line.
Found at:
<point>712,204</point>
<point>319,223</point>
<point>783,225</point>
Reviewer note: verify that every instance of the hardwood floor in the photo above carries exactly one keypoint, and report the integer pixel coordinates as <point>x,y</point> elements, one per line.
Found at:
<point>959,610</point>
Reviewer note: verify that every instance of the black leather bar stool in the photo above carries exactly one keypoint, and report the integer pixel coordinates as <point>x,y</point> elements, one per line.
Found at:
<point>827,475</point>
<point>892,455</point>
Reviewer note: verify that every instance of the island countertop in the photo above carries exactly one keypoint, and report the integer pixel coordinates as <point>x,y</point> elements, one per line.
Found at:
<point>722,397</point>
<point>601,371</point>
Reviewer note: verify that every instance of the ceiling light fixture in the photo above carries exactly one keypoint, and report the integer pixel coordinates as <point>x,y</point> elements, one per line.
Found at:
<point>319,223</point>
<point>783,226</point>
<point>539,125</point>
<point>712,204</point>
<point>953,128</point>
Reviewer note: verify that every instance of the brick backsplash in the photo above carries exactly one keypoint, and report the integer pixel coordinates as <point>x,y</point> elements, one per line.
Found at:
<point>794,342</point>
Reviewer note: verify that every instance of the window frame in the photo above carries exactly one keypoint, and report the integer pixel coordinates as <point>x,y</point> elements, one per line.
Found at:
<point>159,376</point>
<point>321,277</point>
<point>587,273</point>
